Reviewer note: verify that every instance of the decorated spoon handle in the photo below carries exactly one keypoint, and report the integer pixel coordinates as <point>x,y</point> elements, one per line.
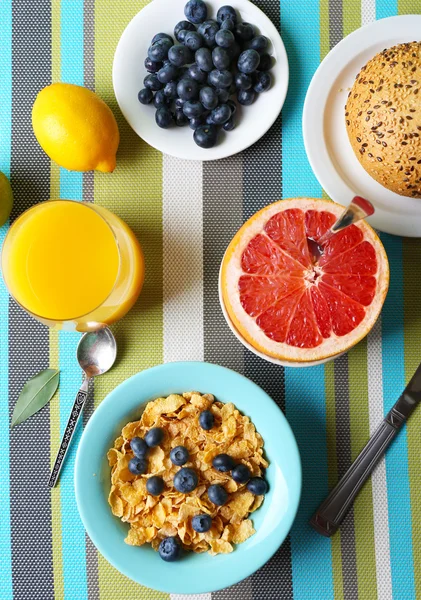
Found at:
<point>69,431</point>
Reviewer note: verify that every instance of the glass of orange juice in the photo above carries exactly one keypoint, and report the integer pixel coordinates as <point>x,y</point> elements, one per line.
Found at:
<point>72,265</point>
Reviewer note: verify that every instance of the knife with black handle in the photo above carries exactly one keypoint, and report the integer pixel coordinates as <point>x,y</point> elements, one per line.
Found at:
<point>332,511</point>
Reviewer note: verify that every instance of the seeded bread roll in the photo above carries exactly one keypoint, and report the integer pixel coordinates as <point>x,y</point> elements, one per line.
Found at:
<point>383,118</point>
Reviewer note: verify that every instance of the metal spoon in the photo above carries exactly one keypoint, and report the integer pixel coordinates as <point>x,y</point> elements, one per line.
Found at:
<point>357,210</point>
<point>96,353</point>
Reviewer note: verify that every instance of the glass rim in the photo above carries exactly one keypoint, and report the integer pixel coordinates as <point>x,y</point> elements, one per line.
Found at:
<point>88,205</point>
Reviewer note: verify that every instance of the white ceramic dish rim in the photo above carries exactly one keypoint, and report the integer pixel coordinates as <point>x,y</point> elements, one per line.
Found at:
<point>396,223</point>
<point>245,139</point>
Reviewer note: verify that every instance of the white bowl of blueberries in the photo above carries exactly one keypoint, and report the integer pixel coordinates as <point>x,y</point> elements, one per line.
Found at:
<point>208,82</point>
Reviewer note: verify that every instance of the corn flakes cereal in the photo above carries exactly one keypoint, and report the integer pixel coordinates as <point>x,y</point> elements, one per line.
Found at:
<point>153,518</point>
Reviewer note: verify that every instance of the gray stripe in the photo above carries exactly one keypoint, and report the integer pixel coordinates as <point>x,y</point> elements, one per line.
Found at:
<point>343,457</point>
<point>241,591</point>
<point>222,217</point>
<point>335,22</point>
<point>30,504</point>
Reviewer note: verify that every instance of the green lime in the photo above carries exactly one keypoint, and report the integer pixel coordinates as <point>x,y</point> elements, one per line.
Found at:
<point>6,198</point>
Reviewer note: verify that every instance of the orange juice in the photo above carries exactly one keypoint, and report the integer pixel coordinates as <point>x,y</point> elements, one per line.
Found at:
<point>72,265</point>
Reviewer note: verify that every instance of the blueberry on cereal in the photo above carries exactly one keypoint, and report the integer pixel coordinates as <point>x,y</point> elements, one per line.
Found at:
<point>170,549</point>
<point>217,494</point>
<point>140,447</point>
<point>179,455</point>
<point>223,463</point>
<point>185,480</point>
<point>137,466</point>
<point>257,486</point>
<point>241,473</point>
<point>154,437</point>
<point>201,523</point>
<point>206,420</point>
<point>155,485</point>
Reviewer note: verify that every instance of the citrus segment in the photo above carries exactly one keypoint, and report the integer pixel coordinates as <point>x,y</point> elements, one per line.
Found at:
<point>287,304</point>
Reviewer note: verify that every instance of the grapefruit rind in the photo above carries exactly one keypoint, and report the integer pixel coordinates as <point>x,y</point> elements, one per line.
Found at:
<point>246,325</point>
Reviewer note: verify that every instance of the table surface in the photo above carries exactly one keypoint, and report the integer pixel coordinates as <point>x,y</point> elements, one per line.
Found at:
<point>185,214</point>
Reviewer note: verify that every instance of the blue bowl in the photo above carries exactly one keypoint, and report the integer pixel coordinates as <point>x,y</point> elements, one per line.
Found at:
<point>195,573</point>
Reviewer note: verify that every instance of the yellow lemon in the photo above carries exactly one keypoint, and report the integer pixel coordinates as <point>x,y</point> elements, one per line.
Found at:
<point>6,198</point>
<point>75,128</point>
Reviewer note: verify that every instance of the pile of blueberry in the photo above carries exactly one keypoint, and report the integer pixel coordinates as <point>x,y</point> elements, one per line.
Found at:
<point>192,82</point>
<point>186,479</point>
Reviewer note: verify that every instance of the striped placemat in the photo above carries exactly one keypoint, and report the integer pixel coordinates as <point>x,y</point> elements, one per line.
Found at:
<point>185,214</point>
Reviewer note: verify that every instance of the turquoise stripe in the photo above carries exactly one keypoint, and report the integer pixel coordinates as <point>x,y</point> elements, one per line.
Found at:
<point>386,8</point>
<point>398,493</point>
<point>71,187</point>
<point>311,554</point>
<point>5,147</point>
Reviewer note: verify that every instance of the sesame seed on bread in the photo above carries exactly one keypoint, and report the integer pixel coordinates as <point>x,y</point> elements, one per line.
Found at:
<point>383,118</point>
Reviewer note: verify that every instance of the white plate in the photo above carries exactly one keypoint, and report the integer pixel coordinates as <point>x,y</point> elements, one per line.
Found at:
<point>129,72</point>
<point>325,137</point>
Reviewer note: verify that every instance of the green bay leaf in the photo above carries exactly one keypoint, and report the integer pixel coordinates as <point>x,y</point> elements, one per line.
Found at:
<point>35,394</point>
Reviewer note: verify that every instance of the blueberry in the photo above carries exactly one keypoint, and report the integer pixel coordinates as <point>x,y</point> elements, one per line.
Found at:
<point>197,74</point>
<point>246,97</point>
<point>206,420</point>
<point>152,66</point>
<point>167,73</point>
<point>243,81</point>
<point>223,462</point>
<point>193,109</point>
<point>225,13</point>
<point>232,89</point>
<point>259,43</point>
<point>263,82</point>
<point>234,51</point>
<point>145,96</point>
<point>183,72</point>
<point>180,118</point>
<point>170,90</point>
<point>187,89</point>
<point>196,11</point>
<point>209,119</point>
<point>159,50</point>
<point>185,480</point>
<point>170,549</point>
<point>229,125</point>
<point>221,114</point>
<point>155,435</point>
<point>179,455</point>
<point>196,122</point>
<point>223,95</point>
<point>203,59</point>
<point>244,32</point>
<point>201,523</point>
<point>208,30</point>
<point>137,466</point>
<point>179,103</point>
<point>228,24</point>
<point>152,82</point>
<point>162,36</point>
<point>265,63</point>
<point>232,106</point>
<point>182,35</point>
<point>205,136</point>
<point>193,40</point>
<point>179,55</point>
<point>208,98</point>
<point>160,99</point>
<point>224,38</point>
<point>221,58</point>
<point>155,485</point>
<point>183,26</point>
<point>257,486</point>
<point>220,78</point>
<point>217,494</point>
<point>241,473</point>
<point>140,447</point>
<point>248,61</point>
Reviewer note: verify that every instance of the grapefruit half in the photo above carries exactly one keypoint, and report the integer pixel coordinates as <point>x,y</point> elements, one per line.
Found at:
<point>286,304</point>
